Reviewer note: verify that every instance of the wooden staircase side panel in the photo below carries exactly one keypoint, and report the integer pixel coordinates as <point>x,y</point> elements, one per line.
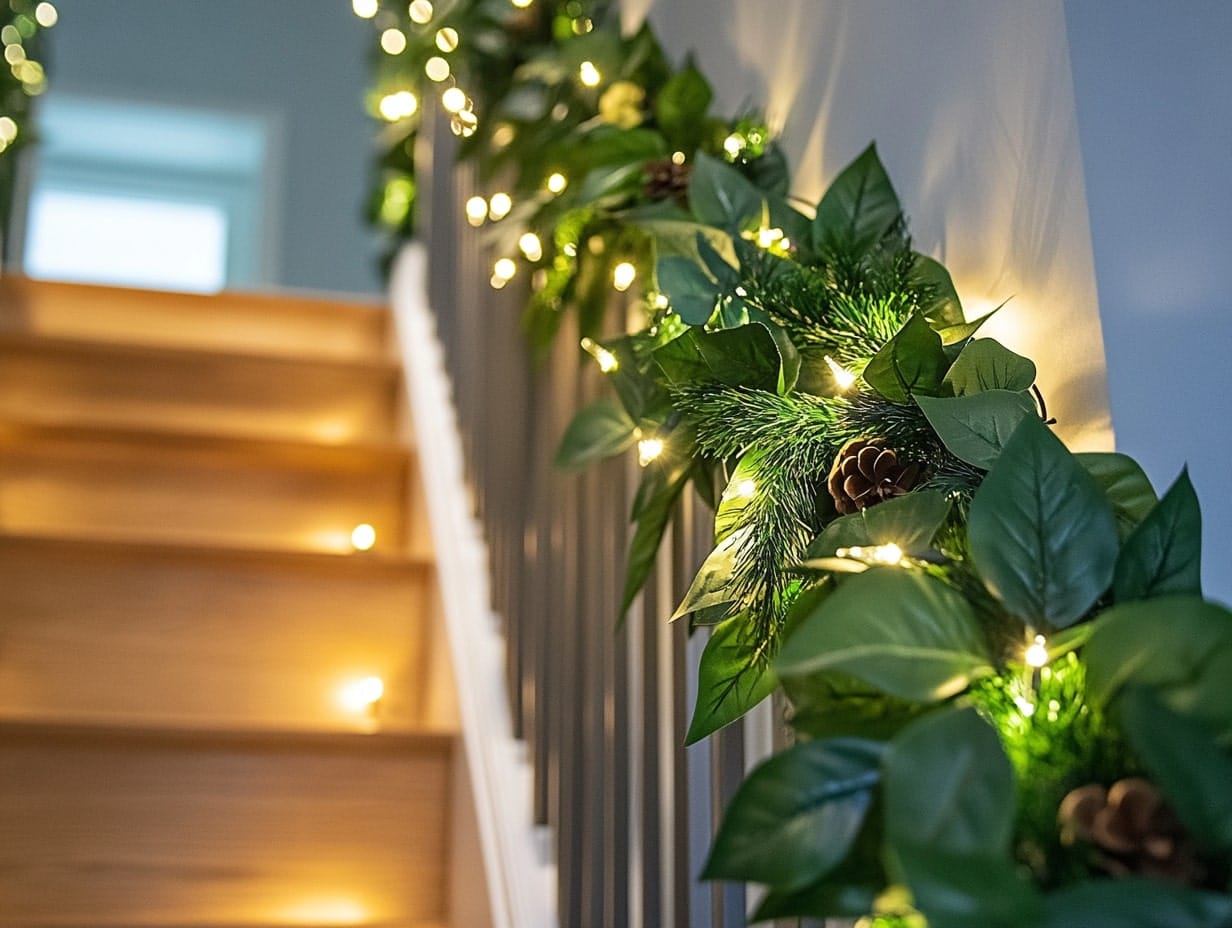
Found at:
<point>116,831</point>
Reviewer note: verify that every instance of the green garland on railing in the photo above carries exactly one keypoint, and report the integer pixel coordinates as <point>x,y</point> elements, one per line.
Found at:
<point>1009,694</point>
<point>22,78</point>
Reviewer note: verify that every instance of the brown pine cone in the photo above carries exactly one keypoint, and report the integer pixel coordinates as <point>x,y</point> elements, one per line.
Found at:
<point>867,472</point>
<point>667,180</point>
<point>1132,828</point>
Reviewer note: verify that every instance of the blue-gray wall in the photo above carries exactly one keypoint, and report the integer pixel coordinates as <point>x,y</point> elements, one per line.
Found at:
<point>300,62</point>
<point>1153,87</point>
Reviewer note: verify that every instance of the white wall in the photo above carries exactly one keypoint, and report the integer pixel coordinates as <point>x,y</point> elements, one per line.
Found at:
<point>301,63</point>
<point>972,109</point>
<point>1153,84</point>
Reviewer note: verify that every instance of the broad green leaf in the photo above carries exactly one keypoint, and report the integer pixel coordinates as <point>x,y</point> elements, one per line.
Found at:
<point>1135,903</point>
<point>598,431</point>
<point>911,521</point>
<point>711,585</point>
<point>900,630</point>
<point>1164,553</point>
<point>731,679</point>
<point>681,106</point>
<point>746,356</point>
<point>912,362</point>
<point>797,814</point>
<point>949,786</point>
<point>847,531</point>
<point>661,486</point>
<point>943,307</point>
<point>985,364</point>
<point>859,208</point>
<point>719,195</point>
<point>956,335</point>
<point>1123,482</point>
<point>829,704</point>
<point>1182,758</point>
<point>724,273</point>
<point>771,173</point>
<point>975,428</point>
<point>968,891</point>
<point>739,494</point>
<point>608,144</point>
<point>1179,645</point>
<point>693,294</point>
<point>678,238</point>
<point>609,180</point>
<point>1041,533</point>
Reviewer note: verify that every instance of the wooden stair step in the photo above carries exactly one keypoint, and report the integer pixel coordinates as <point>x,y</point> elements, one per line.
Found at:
<point>228,321</point>
<point>190,487</point>
<point>106,826</point>
<point>72,381</point>
<point>164,633</point>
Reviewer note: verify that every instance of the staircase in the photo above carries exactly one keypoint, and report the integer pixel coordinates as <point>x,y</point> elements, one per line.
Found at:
<point>188,636</point>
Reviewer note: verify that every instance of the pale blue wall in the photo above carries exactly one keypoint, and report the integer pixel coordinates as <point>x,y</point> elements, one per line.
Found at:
<point>1153,86</point>
<point>300,62</point>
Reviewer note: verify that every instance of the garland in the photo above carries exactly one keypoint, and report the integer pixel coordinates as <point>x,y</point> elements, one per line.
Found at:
<point>1007,690</point>
<point>24,78</point>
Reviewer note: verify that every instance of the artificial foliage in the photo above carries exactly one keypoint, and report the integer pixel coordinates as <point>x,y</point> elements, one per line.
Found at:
<point>22,79</point>
<point>1007,692</point>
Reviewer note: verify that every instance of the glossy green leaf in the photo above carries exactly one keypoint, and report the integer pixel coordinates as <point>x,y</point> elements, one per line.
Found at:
<point>1163,555</point>
<point>722,270</point>
<point>975,428</point>
<point>661,486</point>
<point>1135,903</point>
<point>681,106</point>
<point>829,704</point>
<point>859,208</point>
<point>1124,484</point>
<point>692,292</point>
<point>1041,533</point>
<point>729,516</point>
<point>747,356</point>
<point>795,817</point>
<point>956,335</point>
<point>900,630</point>
<point>711,586</point>
<point>1179,645</point>
<point>721,196</point>
<point>678,238</point>
<point>598,431</point>
<point>949,786</point>
<point>731,679</point>
<point>942,306</point>
<point>912,362</point>
<point>985,364</point>
<point>1182,758</point>
<point>911,521</point>
<point>968,891</point>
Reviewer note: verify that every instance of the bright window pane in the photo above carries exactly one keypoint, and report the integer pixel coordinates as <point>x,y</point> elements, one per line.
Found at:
<point>125,241</point>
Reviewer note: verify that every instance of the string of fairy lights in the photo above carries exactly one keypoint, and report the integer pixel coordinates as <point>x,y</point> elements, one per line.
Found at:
<point>25,76</point>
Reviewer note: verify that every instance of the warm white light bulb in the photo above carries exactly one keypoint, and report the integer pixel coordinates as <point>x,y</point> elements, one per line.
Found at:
<point>46,15</point>
<point>437,69</point>
<point>447,39</point>
<point>733,144</point>
<point>421,11</point>
<point>1037,653</point>
<point>530,246</point>
<point>365,9</point>
<point>363,537</point>
<point>395,106</point>
<point>476,210</point>
<point>499,205</point>
<point>607,360</point>
<point>842,377</point>
<point>557,182</point>
<point>589,75</point>
<point>393,41</point>
<point>522,4</point>
<point>767,238</point>
<point>623,275</point>
<point>362,695</point>
<point>648,450</point>
<point>505,268</point>
<point>454,100</point>
<point>886,554</point>
<point>746,489</point>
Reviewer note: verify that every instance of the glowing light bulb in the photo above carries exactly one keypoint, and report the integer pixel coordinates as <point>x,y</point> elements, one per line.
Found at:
<point>447,39</point>
<point>454,100</point>
<point>1026,707</point>
<point>648,450</point>
<point>678,157</point>
<point>768,238</point>
<point>557,182</point>
<point>531,246</point>
<point>733,144</point>
<point>607,360</point>
<point>1036,654</point>
<point>522,4</point>
<point>437,69</point>
<point>395,106</point>
<point>589,75</point>
<point>476,210</point>
<point>887,554</point>
<point>623,276</point>
<point>47,16</point>
<point>363,537</point>
<point>505,267</point>
<point>8,129</point>
<point>364,9</point>
<point>746,489</point>
<point>393,41</point>
<point>499,205</point>
<point>362,695</point>
<point>503,135</point>
<point>842,377</point>
<point>421,11</point>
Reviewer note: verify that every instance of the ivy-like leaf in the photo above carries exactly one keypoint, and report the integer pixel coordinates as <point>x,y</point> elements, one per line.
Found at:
<point>975,428</point>
<point>746,356</point>
<point>1135,903</point>
<point>719,195</point>
<point>598,431</point>
<point>731,680</point>
<point>681,106</point>
<point>985,364</point>
<point>943,306</point>
<point>902,631</point>
<point>1182,757</point>
<point>711,585</point>
<point>912,362</point>
<point>1164,553</point>
<point>1124,484</point>
<point>795,817</point>
<point>968,890</point>
<point>693,294</point>
<point>911,521</point>
<point>724,274</point>
<point>859,208</point>
<point>1042,534</point>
